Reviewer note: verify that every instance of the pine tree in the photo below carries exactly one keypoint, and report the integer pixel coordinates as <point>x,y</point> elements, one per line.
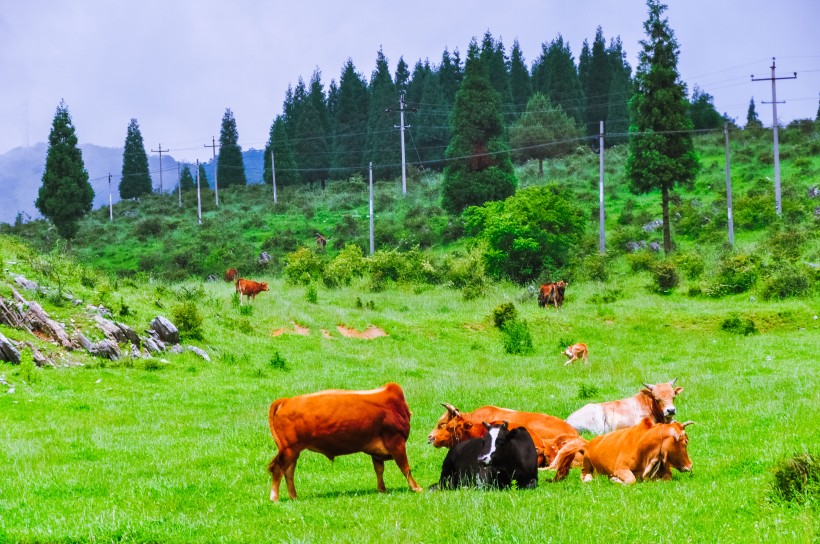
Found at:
<point>350,127</point>
<point>312,146</point>
<point>752,120</point>
<point>415,87</point>
<point>584,62</point>
<point>402,78</point>
<point>383,147</point>
<point>555,76</point>
<point>135,180</point>
<point>65,195</point>
<point>332,100</point>
<point>430,135</point>
<point>203,178</point>
<point>286,169</point>
<point>186,179</point>
<point>450,74</point>
<point>620,91</point>
<point>702,111</point>
<point>230,168</point>
<point>543,131</point>
<point>597,89</point>
<point>520,86</point>
<point>494,60</point>
<point>479,168</point>
<point>661,151</point>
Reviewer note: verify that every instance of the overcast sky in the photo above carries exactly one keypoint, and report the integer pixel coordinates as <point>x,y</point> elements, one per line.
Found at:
<point>176,66</point>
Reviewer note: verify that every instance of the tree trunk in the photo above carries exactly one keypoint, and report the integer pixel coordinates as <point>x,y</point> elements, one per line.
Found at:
<point>667,234</point>
<point>541,168</point>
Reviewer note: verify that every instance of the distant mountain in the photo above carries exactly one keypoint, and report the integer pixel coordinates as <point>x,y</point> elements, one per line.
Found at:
<point>21,173</point>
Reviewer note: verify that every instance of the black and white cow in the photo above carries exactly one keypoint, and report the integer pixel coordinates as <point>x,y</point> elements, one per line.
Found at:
<point>496,460</point>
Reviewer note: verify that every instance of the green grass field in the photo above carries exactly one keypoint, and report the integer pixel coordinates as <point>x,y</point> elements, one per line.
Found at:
<point>175,450</point>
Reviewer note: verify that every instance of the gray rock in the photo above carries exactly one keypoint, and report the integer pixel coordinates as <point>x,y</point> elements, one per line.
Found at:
<point>104,348</point>
<point>151,345</point>
<point>264,258</point>
<point>201,352</point>
<point>8,351</point>
<point>176,348</point>
<point>166,330</point>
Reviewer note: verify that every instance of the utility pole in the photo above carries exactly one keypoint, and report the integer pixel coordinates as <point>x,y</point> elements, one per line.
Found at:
<point>402,108</point>
<point>110,201</point>
<point>273,173</point>
<point>160,151</point>
<point>601,243</point>
<point>216,185</point>
<point>729,187</point>
<point>774,103</point>
<point>179,185</point>
<point>371,209</point>
<point>198,197</point>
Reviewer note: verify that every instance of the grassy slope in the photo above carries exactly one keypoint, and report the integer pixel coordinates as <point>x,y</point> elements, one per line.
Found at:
<point>125,452</point>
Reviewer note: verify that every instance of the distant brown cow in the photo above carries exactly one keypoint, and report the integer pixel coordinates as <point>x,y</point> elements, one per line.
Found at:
<point>552,293</point>
<point>321,241</point>
<point>338,422</point>
<point>576,351</point>
<point>231,274</point>
<point>249,288</point>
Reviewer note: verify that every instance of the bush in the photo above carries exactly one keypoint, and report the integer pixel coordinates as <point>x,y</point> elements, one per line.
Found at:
<point>517,338</point>
<point>187,319</point>
<point>504,313</point>
<point>691,263</point>
<point>393,265</point>
<point>736,273</point>
<point>277,362</point>
<point>641,260</point>
<point>665,274</point>
<point>738,325</point>
<point>587,391</point>
<point>348,264</point>
<point>303,266</point>
<point>786,280</point>
<point>797,479</point>
<point>595,267</point>
<point>311,294</point>
<point>466,272</point>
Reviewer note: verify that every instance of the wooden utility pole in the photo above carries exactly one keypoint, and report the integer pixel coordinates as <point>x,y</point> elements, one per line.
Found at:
<point>774,103</point>
<point>160,151</point>
<point>729,188</point>
<point>216,185</point>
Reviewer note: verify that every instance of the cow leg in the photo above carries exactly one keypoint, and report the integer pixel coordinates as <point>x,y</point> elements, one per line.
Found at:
<point>623,476</point>
<point>378,466</point>
<point>284,464</point>
<point>399,454</point>
<point>570,360</point>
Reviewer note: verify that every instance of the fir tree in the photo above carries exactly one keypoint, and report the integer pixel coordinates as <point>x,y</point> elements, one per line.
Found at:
<point>382,147</point>
<point>479,168</point>
<point>450,74</point>
<point>350,127</point>
<point>203,178</point>
<point>416,85</point>
<point>620,91</point>
<point>65,195</point>
<point>544,131</point>
<point>702,111</point>
<point>661,152</point>
<point>332,99</point>
<point>584,62</point>
<point>597,89</point>
<point>402,78</point>
<point>752,120</point>
<point>135,180</point>
<point>430,135</point>
<point>286,170</point>
<point>555,76</point>
<point>230,168</point>
<point>312,146</point>
<point>520,86</point>
<point>494,60</point>
<point>186,179</point>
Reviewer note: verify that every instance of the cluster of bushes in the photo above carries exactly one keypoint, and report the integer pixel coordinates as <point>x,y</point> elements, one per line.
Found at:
<point>515,333</point>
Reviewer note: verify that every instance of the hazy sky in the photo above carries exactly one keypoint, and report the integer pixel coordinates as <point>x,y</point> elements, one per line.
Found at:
<point>176,66</point>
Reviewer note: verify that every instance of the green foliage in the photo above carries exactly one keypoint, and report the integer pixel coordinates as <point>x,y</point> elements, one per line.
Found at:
<point>136,179</point>
<point>587,391</point>
<point>312,294</point>
<point>533,230</point>
<point>467,273</point>
<point>702,111</point>
<point>641,261</point>
<point>517,338</point>
<point>665,274</point>
<point>555,75</point>
<point>543,131</point>
<point>797,479</point>
<point>393,266</point>
<point>691,263</point>
<point>303,266</point>
<point>28,371</point>
<point>230,167</point>
<point>277,362</point>
<point>738,325</point>
<point>736,273</point>
<point>382,146</point>
<point>786,279</point>
<point>188,320</point>
<point>595,267</point>
<point>350,123</point>
<point>186,179</point>
<point>347,265</point>
<point>65,195</point>
<point>504,313</point>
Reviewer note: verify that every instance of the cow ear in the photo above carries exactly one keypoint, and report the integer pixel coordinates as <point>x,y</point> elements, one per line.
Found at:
<point>505,425</point>
<point>486,425</point>
<point>678,390</point>
<point>467,425</point>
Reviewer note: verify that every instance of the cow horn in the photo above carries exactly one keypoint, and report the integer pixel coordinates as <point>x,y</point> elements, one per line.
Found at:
<point>452,410</point>
<point>687,423</point>
<point>650,387</point>
<point>673,381</point>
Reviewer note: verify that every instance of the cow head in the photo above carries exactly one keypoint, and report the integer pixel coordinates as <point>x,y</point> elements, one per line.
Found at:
<point>673,452</point>
<point>263,286</point>
<point>452,428</point>
<point>662,397</point>
<point>494,439</point>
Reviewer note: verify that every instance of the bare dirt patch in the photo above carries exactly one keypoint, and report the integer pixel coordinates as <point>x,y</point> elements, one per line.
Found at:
<point>369,333</point>
<point>297,329</point>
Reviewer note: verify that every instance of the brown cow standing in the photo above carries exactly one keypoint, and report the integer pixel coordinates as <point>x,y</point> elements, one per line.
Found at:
<point>321,241</point>
<point>549,433</point>
<point>338,422</point>
<point>249,288</point>
<point>645,451</point>
<point>552,293</point>
<point>231,274</point>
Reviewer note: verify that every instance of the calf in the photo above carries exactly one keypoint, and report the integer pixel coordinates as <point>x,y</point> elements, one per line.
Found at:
<point>645,451</point>
<point>552,293</point>
<point>249,288</point>
<point>231,274</point>
<point>338,422</point>
<point>501,457</point>
<point>653,401</point>
<point>575,351</point>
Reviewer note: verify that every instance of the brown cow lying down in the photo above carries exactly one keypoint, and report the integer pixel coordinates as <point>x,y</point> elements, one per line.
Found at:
<point>549,433</point>
<point>338,422</point>
<point>249,288</point>
<point>646,451</point>
<point>654,401</point>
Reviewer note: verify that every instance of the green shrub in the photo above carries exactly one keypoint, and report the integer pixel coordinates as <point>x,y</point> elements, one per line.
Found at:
<point>736,273</point>
<point>691,263</point>
<point>188,320</point>
<point>786,280</point>
<point>466,272</point>
<point>797,479</point>
<point>303,266</point>
<point>348,264</point>
<point>587,391</point>
<point>517,338</point>
<point>640,261</point>
<point>277,362</point>
<point>595,267</point>
<point>738,325</point>
<point>311,294</point>
<point>665,274</point>
<point>504,313</point>
<point>28,370</point>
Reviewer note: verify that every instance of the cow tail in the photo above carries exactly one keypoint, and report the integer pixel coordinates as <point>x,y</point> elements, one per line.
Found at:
<point>565,456</point>
<point>274,407</point>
